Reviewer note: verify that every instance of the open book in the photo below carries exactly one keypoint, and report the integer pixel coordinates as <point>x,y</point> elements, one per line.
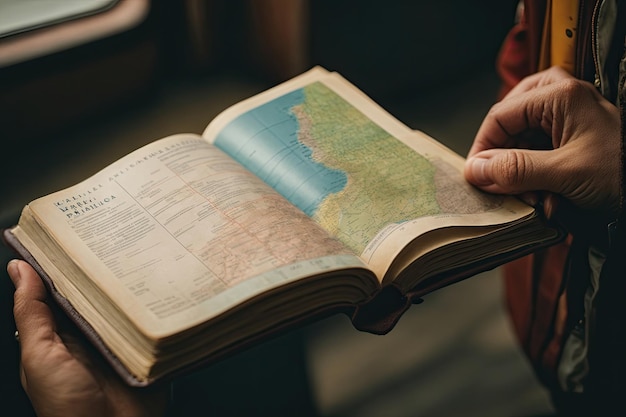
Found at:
<point>305,200</point>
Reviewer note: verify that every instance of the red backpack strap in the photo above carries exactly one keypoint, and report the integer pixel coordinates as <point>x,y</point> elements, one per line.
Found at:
<point>519,54</point>
<point>536,300</point>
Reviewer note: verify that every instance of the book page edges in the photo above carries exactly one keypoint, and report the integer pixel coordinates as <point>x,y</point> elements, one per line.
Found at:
<point>131,379</point>
<point>380,314</point>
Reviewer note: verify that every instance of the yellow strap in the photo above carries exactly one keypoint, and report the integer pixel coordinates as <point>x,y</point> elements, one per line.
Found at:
<point>564,29</point>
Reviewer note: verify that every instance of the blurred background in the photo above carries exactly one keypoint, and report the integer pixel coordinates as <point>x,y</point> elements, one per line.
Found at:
<point>84,82</point>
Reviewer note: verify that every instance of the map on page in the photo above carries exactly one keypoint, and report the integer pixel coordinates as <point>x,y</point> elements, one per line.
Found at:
<point>341,168</point>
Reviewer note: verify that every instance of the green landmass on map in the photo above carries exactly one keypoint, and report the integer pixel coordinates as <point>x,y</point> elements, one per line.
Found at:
<point>387,181</point>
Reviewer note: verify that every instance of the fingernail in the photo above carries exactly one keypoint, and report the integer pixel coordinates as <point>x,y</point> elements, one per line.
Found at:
<point>14,270</point>
<point>477,167</point>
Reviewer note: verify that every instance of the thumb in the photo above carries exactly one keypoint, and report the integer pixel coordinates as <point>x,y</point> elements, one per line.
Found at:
<point>29,287</point>
<point>33,317</point>
<point>512,171</point>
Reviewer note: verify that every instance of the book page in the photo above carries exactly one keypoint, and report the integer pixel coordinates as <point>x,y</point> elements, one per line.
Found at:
<point>357,171</point>
<point>179,233</point>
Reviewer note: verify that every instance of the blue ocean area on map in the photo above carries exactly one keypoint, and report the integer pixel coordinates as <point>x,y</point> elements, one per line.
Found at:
<point>266,141</point>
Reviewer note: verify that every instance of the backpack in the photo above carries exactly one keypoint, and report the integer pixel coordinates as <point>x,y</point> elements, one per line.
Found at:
<point>571,328</point>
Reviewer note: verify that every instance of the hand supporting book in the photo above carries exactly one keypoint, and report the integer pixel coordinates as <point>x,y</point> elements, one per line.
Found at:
<point>305,200</point>
<point>58,370</point>
<point>583,194</point>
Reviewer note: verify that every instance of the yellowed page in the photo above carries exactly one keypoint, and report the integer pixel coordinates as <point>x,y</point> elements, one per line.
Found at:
<point>177,233</point>
<point>360,173</point>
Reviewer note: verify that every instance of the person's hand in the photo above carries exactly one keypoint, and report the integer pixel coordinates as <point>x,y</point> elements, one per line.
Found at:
<point>58,372</point>
<point>551,133</point>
